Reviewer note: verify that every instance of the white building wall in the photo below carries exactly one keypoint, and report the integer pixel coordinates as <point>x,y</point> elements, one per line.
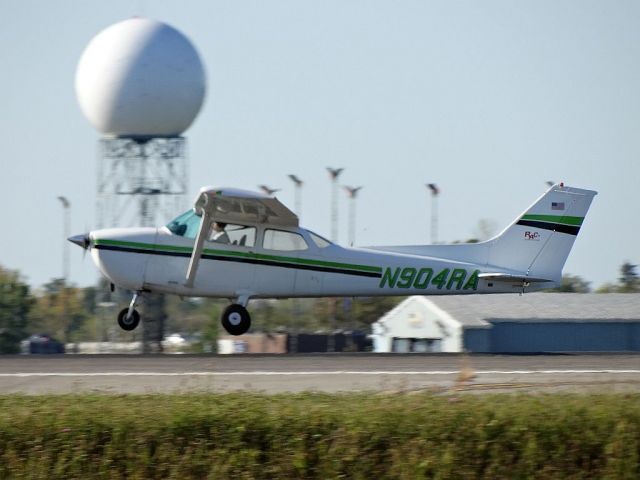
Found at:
<point>417,318</point>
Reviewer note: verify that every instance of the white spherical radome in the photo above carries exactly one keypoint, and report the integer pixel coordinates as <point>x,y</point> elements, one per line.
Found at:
<point>140,78</point>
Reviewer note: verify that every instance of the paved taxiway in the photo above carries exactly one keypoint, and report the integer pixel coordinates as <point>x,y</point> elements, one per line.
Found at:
<point>326,373</point>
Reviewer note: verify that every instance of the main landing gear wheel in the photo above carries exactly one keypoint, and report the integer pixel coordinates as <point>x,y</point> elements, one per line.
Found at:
<point>130,323</point>
<point>236,320</point>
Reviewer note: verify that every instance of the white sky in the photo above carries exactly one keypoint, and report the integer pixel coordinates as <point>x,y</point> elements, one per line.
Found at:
<point>486,99</point>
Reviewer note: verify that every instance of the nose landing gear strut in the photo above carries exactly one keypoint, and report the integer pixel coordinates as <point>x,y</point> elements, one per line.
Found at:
<point>129,318</point>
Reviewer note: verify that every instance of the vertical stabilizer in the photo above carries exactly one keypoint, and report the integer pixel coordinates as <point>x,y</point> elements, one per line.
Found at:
<point>539,241</point>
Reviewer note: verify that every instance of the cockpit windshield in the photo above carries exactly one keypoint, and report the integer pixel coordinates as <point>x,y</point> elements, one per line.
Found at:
<point>186,225</point>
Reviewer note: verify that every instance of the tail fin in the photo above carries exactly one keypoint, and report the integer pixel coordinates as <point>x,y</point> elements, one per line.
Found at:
<point>539,241</point>
<point>533,248</point>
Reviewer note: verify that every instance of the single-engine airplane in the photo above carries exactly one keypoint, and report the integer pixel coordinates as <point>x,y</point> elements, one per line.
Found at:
<point>240,245</point>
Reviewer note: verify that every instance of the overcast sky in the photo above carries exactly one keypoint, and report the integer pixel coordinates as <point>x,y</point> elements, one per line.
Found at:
<point>486,99</point>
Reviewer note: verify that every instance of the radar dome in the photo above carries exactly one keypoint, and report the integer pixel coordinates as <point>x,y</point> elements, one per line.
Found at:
<point>140,78</point>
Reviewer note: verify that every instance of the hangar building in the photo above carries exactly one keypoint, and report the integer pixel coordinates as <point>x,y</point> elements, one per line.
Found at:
<point>533,322</point>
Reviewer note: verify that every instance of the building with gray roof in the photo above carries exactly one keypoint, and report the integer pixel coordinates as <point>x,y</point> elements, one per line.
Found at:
<point>534,322</point>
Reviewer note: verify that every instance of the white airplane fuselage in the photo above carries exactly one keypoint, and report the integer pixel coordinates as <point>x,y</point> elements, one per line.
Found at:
<point>241,245</point>
<point>155,259</point>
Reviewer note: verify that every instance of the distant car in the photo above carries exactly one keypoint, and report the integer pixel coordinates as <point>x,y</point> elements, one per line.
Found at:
<point>43,343</point>
<point>175,339</point>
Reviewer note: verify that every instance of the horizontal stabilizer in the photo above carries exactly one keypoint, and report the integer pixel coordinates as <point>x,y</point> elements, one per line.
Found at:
<point>507,277</point>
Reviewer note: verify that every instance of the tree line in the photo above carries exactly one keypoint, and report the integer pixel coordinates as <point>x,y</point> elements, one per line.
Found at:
<point>72,314</point>
<point>628,282</point>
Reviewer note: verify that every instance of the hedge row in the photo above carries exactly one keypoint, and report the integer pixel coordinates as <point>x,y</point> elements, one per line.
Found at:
<point>320,436</point>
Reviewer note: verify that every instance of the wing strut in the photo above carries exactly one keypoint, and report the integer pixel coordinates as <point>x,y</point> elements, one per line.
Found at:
<point>205,225</point>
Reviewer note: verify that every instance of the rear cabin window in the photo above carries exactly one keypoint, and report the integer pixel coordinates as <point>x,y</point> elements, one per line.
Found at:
<point>283,241</point>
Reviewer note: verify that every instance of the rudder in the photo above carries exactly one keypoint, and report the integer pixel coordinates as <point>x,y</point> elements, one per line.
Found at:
<point>538,242</point>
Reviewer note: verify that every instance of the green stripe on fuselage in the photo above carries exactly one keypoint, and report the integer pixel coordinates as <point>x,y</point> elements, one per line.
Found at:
<point>227,253</point>
<point>120,243</point>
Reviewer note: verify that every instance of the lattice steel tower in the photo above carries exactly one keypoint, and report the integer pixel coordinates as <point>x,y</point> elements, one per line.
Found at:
<point>141,181</point>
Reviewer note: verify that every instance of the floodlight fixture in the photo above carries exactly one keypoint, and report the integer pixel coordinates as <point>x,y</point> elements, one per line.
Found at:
<point>267,190</point>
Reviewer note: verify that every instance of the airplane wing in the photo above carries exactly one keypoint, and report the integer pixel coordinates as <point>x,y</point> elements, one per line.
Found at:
<point>231,205</point>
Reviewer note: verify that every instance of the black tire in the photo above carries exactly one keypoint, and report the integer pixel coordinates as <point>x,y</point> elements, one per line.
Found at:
<point>128,324</point>
<point>236,320</point>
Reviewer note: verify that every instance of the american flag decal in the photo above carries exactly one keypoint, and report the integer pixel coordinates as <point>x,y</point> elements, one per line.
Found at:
<point>557,205</point>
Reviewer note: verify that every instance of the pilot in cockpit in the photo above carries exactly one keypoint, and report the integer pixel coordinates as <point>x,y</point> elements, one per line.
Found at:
<point>218,234</point>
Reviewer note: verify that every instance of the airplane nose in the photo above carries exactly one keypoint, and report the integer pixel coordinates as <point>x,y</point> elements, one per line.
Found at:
<point>82,240</point>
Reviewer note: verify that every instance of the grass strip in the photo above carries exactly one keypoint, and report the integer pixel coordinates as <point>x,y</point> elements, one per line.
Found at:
<point>361,436</point>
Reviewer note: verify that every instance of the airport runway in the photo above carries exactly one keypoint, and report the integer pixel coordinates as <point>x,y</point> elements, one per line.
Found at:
<point>439,373</point>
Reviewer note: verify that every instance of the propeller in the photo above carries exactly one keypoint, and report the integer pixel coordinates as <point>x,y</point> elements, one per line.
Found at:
<point>83,240</point>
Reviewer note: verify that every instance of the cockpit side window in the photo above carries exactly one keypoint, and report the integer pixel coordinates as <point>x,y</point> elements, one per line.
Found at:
<point>231,234</point>
<point>188,224</point>
<point>283,241</point>
<point>185,225</point>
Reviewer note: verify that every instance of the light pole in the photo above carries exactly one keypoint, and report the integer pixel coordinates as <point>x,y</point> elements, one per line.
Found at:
<point>298,186</point>
<point>334,173</point>
<point>295,305</point>
<point>352,193</point>
<point>267,190</point>
<point>66,205</point>
<point>435,191</point>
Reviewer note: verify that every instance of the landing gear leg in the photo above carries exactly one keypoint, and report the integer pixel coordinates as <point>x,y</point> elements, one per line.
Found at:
<point>129,318</point>
<point>236,319</point>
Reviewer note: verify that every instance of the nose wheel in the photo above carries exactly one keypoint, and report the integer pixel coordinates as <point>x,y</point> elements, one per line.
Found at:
<point>129,318</point>
<point>236,319</point>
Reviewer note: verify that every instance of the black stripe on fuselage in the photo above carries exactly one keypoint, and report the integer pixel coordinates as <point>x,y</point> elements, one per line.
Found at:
<point>556,227</point>
<point>255,261</point>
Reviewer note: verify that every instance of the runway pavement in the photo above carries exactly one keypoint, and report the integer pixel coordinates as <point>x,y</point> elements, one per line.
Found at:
<point>439,373</point>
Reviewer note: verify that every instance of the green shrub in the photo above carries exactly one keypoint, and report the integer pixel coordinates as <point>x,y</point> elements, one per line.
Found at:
<point>320,436</point>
